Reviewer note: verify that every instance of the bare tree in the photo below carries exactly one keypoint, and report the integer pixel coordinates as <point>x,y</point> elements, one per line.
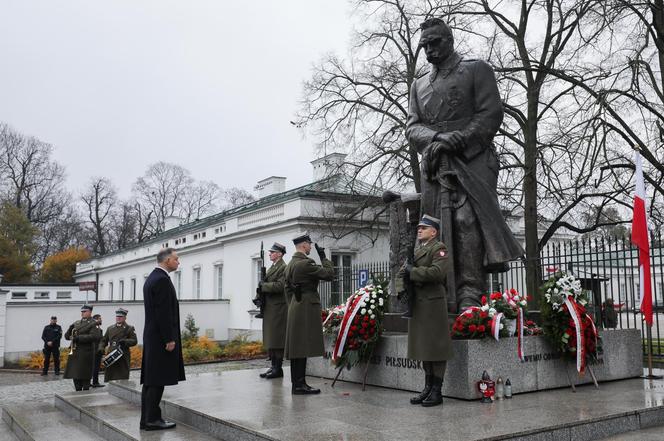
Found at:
<point>235,197</point>
<point>201,200</point>
<point>100,199</point>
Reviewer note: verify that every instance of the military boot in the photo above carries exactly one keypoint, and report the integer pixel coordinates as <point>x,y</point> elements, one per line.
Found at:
<point>276,371</point>
<point>425,392</point>
<point>298,378</point>
<point>435,396</point>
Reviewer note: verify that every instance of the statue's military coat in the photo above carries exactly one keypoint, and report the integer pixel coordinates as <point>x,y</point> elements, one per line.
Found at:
<point>462,95</point>
<point>304,329</point>
<point>79,364</point>
<point>276,308</point>
<point>428,329</point>
<point>125,337</point>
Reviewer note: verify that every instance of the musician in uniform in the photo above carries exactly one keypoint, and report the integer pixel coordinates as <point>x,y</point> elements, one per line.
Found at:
<point>84,343</point>
<point>428,330</point>
<point>99,353</point>
<point>120,336</point>
<point>275,311</point>
<point>304,330</point>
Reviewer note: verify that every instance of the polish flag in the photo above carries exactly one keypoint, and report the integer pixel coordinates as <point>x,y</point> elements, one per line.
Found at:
<point>640,238</point>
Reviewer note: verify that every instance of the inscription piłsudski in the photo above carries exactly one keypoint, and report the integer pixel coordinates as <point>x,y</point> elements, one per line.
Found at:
<point>550,356</point>
<point>395,362</point>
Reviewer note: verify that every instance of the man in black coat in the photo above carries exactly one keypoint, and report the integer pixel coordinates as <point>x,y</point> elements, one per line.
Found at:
<point>162,363</point>
<point>51,335</point>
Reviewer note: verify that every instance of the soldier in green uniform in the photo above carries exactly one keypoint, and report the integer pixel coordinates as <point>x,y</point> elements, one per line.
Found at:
<point>304,330</point>
<point>275,311</point>
<point>120,335</point>
<point>428,330</point>
<point>84,343</point>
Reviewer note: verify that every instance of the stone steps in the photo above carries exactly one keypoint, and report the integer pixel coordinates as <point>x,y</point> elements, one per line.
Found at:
<point>113,418</point>
<point>42,421</point>
<point>6,432</point>
<point>209,424</point>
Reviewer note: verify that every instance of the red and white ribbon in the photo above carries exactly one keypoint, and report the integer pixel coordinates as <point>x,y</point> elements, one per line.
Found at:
<point>519,342</point>
<point>580,339</point>
<point>495,326</point>
<point>351,311</point>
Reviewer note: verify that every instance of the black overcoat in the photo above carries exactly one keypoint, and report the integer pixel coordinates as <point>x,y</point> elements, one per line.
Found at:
<point>160,367</point>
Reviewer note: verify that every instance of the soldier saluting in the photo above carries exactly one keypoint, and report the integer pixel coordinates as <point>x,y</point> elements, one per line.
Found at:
<point>275,311</point>
<point>428,330</point>
<point>119,335</point>
<point>84,341</point>
<point>304,330</point>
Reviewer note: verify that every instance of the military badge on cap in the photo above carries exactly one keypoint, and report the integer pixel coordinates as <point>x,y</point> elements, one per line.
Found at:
<point>429,221</point>
<point>121,312</point>
<point>86,308</point>
<point>300,239</point>
<point>279,248</point>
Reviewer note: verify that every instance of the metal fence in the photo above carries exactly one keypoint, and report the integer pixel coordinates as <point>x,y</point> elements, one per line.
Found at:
<point>347,279</point>
<point>606,266</point>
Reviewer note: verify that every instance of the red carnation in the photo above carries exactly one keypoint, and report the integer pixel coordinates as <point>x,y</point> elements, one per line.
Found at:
<point>484,300</point>
<point>356,320</point>
<point>472,328</point>
<point>513,291</point>
<point>366,318</point>
<point>353,328</point>
<point>484,314</point>
<point>372,322</point>
<point>481,328</point>
<point>365,324</point>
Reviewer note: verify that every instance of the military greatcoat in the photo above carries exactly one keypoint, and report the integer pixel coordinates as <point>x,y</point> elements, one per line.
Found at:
<point>79,363</point>
<point>123,335</point>
<point>276,308</point>
<point>428,330</point>
<point>304,329</point>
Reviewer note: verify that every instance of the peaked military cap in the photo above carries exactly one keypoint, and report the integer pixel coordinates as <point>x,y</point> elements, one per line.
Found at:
<point>86,308</point>
<point>121,312</point>
<point>278,248</point>
<point>300,239</point>
<point>429,221</point>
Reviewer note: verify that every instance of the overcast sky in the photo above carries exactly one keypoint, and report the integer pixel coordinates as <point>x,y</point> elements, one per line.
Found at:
<point>210,85</point>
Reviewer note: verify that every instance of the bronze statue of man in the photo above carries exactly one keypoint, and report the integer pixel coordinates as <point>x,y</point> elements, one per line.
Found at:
<point>454,113</point>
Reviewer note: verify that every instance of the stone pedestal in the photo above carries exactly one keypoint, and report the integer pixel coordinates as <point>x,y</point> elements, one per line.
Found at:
<point>542,369</point>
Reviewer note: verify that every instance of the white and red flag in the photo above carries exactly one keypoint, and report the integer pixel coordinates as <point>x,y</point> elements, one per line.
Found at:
<point>640,238</point>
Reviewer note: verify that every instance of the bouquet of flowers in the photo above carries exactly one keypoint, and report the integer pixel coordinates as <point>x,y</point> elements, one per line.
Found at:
<point>565,323</point>
<point>473,323</point>
<point>332,319</point>
<point>531,328</point>
<point>360,325</point>
<point>508,303</point>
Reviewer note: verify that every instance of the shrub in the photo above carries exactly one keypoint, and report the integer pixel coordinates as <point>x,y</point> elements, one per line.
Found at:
<point>200,349</point>
<point>241,347</point>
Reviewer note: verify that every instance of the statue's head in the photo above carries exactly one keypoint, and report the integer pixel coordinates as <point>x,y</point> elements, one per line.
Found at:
<point>436,40</point>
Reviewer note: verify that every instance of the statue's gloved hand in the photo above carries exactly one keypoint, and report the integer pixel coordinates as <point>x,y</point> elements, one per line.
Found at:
<point>452,141</point>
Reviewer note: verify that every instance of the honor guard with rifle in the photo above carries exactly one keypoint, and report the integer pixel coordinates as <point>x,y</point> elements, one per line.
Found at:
<point>118,337</point>
<point>84,344</point>
<point>259,300</point>
<point>275,311</point>
<point>304,330</point>
<point>428,330</point>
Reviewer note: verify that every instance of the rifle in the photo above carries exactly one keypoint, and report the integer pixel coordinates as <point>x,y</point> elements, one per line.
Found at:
<point>260,295</point>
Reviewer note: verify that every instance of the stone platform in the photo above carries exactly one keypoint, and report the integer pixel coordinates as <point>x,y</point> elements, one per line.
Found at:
<point>542,369</point>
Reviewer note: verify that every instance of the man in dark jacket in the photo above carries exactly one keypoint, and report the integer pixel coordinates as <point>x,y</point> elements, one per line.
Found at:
<point>162,363</point>
<point>51,335</point>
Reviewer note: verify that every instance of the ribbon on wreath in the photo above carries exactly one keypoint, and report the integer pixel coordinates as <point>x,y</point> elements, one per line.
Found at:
<point>495,331</point>
<point>495,326</point>
<point>580,335</point>
<point>351,311</point>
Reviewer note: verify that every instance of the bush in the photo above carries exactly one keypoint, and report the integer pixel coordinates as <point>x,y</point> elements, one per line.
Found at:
<point>241,347</point>
<point>190,329</point>
<point>200,349</point>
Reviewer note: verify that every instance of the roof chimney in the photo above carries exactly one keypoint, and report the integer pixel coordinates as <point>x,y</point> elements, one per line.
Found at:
<point>328,165</point>
<point>270,186</point>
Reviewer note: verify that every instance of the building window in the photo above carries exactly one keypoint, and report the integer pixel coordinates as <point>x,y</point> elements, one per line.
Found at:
<point>178,284</point>
<point>341,284</point>
<point>218,280</point>
<point>133,288</point>
<point>197,283</point>
<point>19,295</point>
<point>42,295</point>
<point>110,290</point>
<point>121,290</point>
<point>203,234</point>
<point>63,295</point>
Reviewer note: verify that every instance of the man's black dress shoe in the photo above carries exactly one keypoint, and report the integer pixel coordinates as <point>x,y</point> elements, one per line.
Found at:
<point>159,425</point>
<point>98,385</point>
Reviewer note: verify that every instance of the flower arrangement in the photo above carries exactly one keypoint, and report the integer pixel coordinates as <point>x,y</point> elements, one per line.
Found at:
<point>508,303</point>
<point>357,324</point>
<point>565,323</point>
<point>473,323</point>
